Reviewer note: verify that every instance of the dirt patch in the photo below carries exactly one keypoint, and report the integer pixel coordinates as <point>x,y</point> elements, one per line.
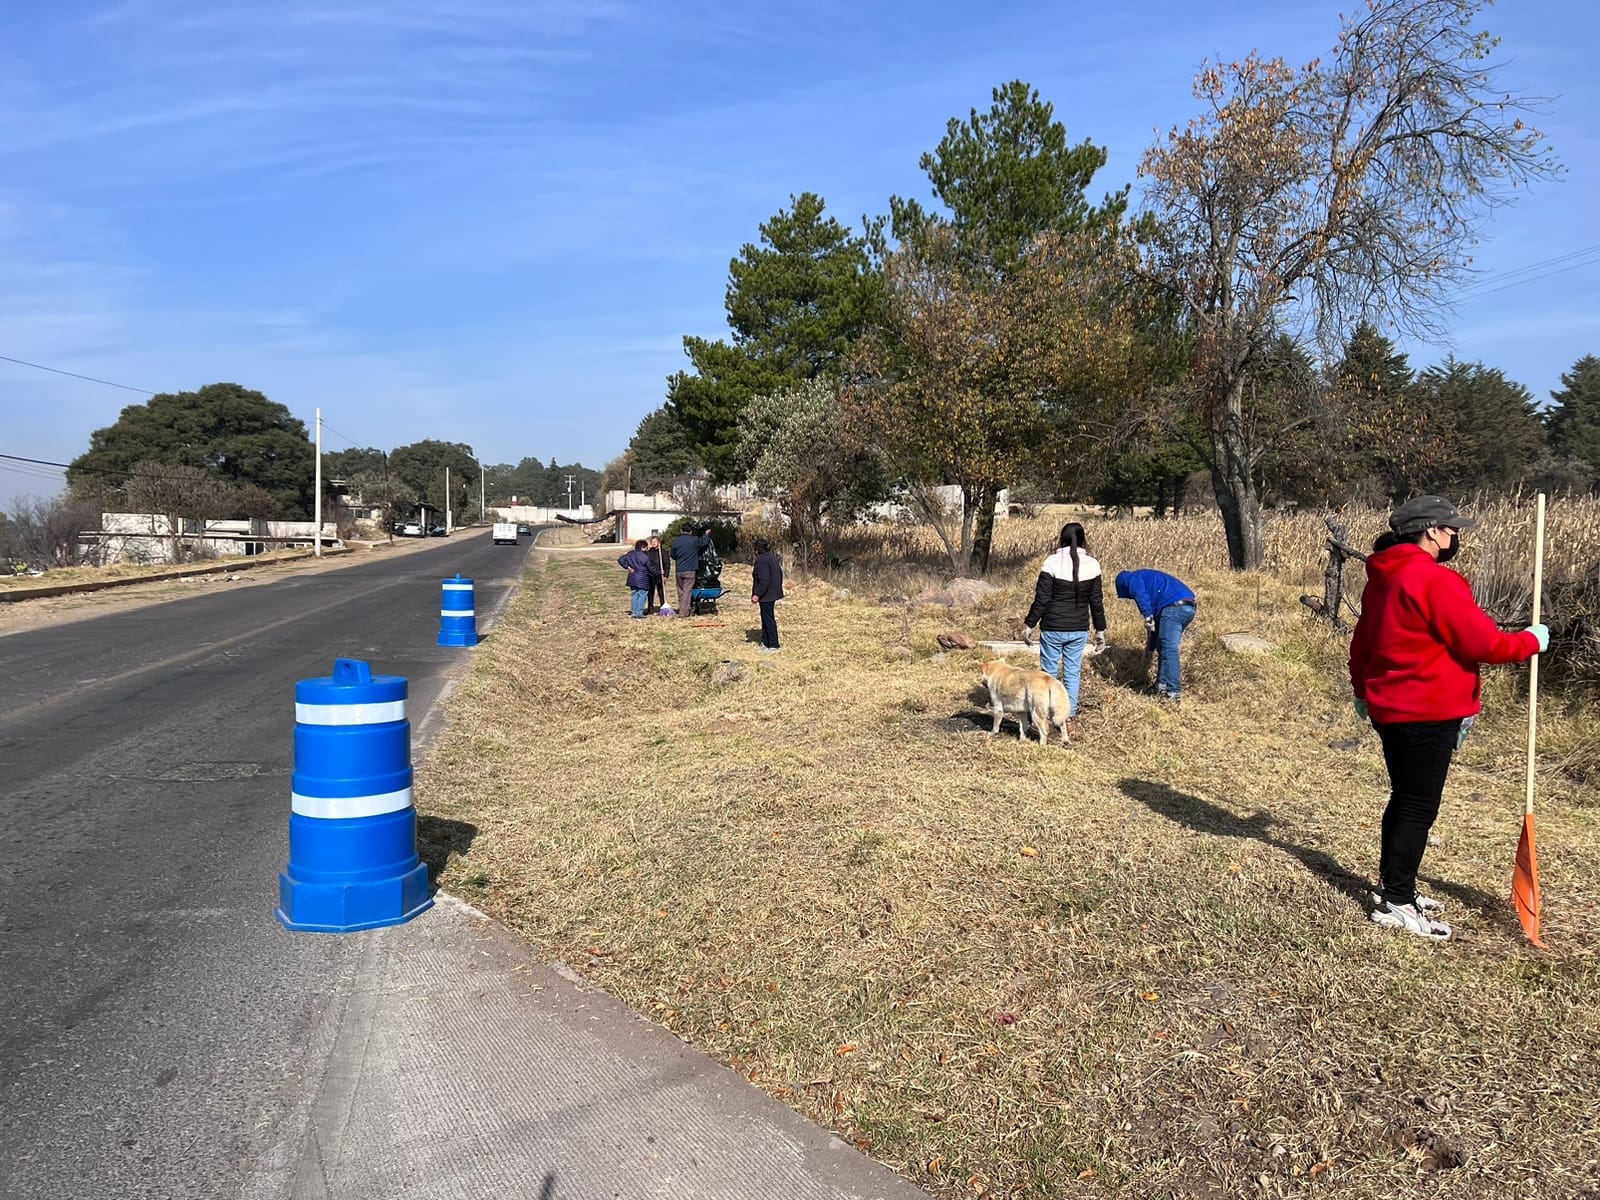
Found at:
<point>1135,967</point>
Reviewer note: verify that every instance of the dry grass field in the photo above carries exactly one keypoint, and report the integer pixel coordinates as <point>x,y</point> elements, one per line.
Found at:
<point>1135,967</point>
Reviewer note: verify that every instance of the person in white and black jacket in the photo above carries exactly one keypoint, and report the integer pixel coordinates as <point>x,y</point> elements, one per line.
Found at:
<point>1066,601</point>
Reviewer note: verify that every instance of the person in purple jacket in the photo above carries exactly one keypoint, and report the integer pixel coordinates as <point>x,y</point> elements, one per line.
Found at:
<point>766,590</point>
<point>640,571</point>
<point>1167,605</point>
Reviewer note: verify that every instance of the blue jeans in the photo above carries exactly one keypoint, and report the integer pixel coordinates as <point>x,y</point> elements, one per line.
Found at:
<point>1170,624</point>
<point>640,596</point>
<point>1061,653</point>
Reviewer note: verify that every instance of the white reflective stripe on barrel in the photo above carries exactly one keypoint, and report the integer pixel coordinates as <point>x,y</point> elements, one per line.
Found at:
<point>340,807</point>
<point>458,612</point>
<point>458,587</point>
<point>379,713</point>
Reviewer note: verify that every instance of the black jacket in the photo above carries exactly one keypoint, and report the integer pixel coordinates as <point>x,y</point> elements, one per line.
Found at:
<point>687,548</point>
<point>767,584</point>
<point>1063,606</point>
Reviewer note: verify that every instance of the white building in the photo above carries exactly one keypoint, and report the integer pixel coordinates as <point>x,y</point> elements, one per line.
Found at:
<point>149,537</point>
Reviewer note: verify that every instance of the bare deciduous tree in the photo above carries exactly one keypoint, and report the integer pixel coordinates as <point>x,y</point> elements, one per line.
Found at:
<point>46,533</point>
<point>1303,200</point>
<point>176,493</point>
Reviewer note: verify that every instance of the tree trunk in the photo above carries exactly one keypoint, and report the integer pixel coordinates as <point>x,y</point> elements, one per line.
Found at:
<point>967,511</point>
<point>1242,518</point>
<point>983,502</point>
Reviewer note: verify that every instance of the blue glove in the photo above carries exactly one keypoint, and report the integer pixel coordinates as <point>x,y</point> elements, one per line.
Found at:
<point>1542,632</point>
<point>1466,728</point>
<point>1361,708</point>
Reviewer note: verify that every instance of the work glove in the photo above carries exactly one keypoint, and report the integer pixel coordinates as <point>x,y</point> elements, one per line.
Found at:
<point>1542,632</point>
<point>1466,728</point>
<point>1150,624</point>
<point>1028,635</point>
<point>1361,709</point>
<point>1100,639</point>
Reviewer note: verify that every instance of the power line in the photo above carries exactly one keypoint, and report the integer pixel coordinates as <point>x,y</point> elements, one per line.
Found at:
<point>90,378</point>
<point>35,463</point>
<point>1498,276</point>
<point>1477,293</point>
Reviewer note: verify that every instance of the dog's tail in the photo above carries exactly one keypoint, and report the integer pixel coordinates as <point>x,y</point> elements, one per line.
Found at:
<point>1054,705</point>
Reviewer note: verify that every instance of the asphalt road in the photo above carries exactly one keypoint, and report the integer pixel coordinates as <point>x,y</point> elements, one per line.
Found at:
<point>154,1017</point>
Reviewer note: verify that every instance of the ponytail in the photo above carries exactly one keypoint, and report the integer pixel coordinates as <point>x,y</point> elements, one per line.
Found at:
<point>1072,539</point>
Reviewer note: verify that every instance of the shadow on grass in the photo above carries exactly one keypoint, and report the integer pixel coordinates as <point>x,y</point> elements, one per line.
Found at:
<point>1206,817</point>
<point>1121,665</point>
<point>437,839</point>
<point>972,720</point>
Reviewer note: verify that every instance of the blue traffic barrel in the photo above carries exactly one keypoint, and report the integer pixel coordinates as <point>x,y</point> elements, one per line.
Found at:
<point>352,828</point>
<point>458,620</point>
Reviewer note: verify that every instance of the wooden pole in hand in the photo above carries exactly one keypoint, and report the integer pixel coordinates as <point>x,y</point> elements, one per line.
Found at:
<point>1525,876</point>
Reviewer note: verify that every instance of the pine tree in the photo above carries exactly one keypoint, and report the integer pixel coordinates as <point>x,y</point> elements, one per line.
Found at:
<point>1573,421</point>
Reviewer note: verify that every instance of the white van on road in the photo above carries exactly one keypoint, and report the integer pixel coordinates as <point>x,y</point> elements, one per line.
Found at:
<point>505,533</point>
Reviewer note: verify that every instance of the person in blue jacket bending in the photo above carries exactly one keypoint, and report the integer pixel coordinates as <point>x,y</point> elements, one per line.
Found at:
<point>1167,605</point>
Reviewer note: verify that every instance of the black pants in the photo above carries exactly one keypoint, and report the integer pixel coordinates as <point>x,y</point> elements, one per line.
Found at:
<point>769,624</point>
<point>658,592</point>
<point>1417,754</point>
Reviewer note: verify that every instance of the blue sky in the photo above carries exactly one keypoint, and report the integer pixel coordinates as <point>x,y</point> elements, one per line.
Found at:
<point>493,221</point>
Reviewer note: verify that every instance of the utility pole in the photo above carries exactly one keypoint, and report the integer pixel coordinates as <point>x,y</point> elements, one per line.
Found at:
<point>483,503</point>
<point>571,479</point>
<point>316,503</point>
<point>447,501</point>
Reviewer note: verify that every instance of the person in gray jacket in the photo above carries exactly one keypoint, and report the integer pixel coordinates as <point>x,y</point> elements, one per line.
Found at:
<point>687,547</point>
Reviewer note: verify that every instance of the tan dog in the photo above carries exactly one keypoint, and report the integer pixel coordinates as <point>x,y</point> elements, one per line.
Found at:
<point>1026,694</point>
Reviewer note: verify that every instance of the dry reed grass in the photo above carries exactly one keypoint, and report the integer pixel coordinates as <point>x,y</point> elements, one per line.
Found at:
<point>1135,967</point>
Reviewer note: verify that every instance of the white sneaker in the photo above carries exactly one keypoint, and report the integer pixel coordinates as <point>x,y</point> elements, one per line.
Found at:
<point>1426,905</point>
<point>1406,916</point>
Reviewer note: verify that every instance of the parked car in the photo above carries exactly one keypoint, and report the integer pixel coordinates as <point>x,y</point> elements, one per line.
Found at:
<point>524,530</point>
<point>436,531</point>
<point>411,529</point>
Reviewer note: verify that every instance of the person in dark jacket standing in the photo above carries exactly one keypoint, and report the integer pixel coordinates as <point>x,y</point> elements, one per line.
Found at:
<point>1414,662</point>
<point>1067,599</point>
<point>766,590</point>
<point>687,547</point>
<point>658,579</point>
<point>640,569</point>
<point>1167,606</point>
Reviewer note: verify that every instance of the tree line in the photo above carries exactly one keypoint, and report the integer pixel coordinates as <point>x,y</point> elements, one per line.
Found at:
<point>1016,332</point>
<point>225,451</point>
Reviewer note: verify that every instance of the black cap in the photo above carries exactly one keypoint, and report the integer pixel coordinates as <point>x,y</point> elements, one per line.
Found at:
<point>1428,512</point>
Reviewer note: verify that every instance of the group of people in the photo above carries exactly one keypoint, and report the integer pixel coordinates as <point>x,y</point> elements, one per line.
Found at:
<point>648,570</point>
<point>1068,600</point>
<point>1414,669</point>
<point>1414,658</point>
<point>649,567</point>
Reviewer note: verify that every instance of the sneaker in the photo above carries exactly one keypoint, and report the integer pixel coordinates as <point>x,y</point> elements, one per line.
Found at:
<point>1406,916</point>
<point>1426,905</point>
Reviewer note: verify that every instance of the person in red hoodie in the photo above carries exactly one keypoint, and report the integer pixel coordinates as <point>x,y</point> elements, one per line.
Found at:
<point>1414,669</point>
